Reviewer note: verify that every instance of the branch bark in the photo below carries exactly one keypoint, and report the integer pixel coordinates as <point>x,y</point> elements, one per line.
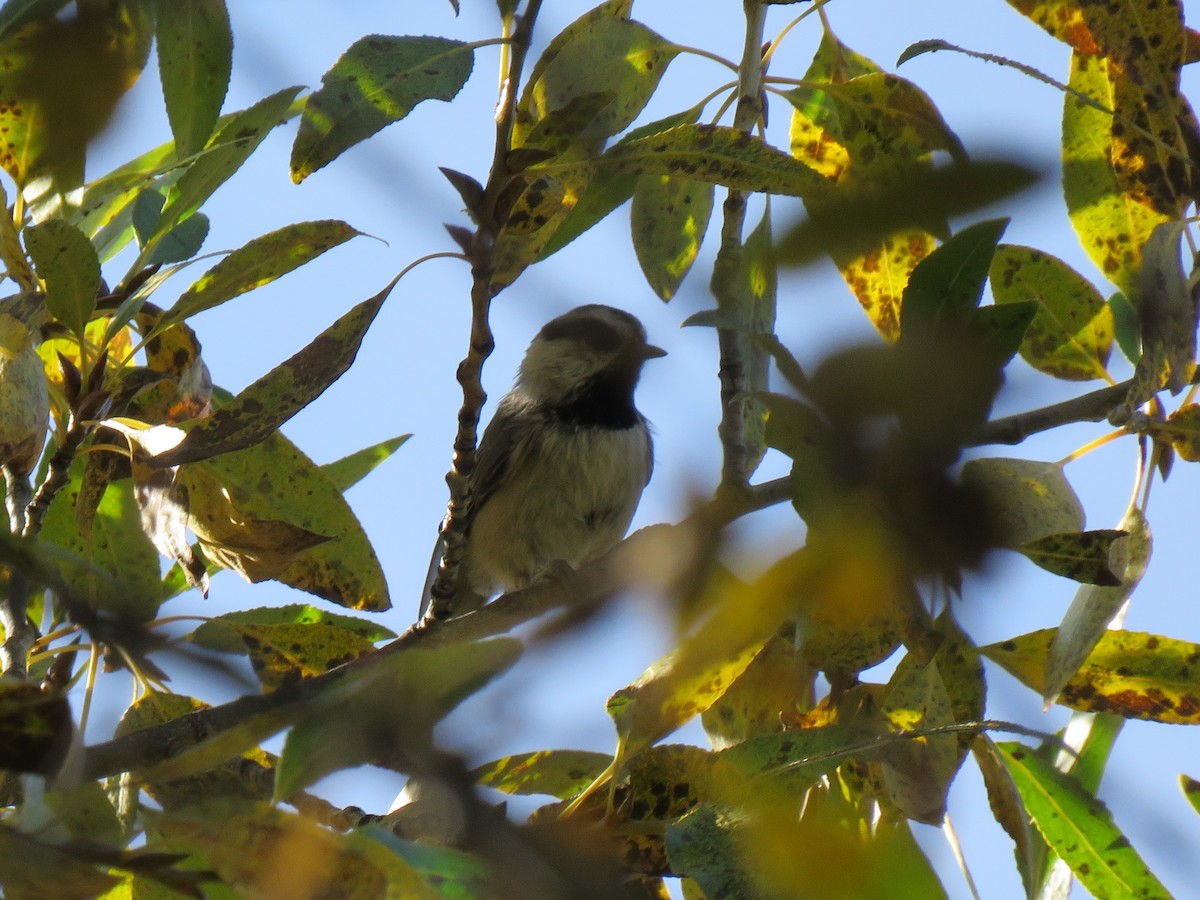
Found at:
<point>481,344</point>
<point>736,350</point>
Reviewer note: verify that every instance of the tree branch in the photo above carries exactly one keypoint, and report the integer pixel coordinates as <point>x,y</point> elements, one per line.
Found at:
<point>1091,407</point>
<point>736,350</point>
<point>582,589</point>
<point>470,370</point>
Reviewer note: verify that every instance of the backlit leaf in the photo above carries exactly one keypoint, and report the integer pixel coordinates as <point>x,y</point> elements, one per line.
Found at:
<point>669,219</point>
<point>66,261</point>
<point>1072,334</point>
<point>559,773</point>
<point>1182,429</point>
<point>274,482</point>
<point>717,154</point>
<point>261,408</point>
<point>238,135</point>
<point>376,82</point>
<point>1079,828</point>
<point>599,55</point>
<point>195,55</point>
<point>349,470</point>
<point>116,545</point>
<point>259,262</point>
<point>60,80</point>
<point>1113,225</point>
<point>1129,674</point>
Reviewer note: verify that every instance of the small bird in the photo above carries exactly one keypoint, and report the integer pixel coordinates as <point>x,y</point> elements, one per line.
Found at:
<point>562,465</point>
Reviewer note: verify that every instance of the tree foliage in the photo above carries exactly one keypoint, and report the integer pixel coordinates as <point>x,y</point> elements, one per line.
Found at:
<point>131,478</point>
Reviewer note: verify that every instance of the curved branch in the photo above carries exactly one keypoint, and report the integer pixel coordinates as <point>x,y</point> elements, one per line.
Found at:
<point>1091,407</point>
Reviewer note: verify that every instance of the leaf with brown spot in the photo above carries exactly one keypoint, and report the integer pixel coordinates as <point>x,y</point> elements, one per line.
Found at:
<point>1079,828</point>
<point>259,262</point>
<point>1095,606</point>
<point>273,482</point>
<point>1182,430</point>
<point>717,154</point>
<point>60,80</point>
<point>284,652</point>
<point>218,779</point>
<point>1078,555</point>
<point>918,772</point>
<point>668,220</point>
<point>1063,19</point>
<point>559,773</point>
<point>602,53</point>
<point>1071,335</point>
<point>1129,674</point>
<point>261,408</point>
<point>195,55</point>
<point>376,82</point>
<point>1112,225</point>
<point>775,686</point>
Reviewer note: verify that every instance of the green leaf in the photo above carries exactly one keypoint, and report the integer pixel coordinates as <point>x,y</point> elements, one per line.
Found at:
<point>359,721</point>
<point>1004,800</point>
<point>1071,336</point>
<point>1191,790</point>
<point>1095,606</point>
<point>669,219</point>
<point>717,154</point>
<point>1113,224</point>
<point>376,82</point>
<point>611,57</point>
<point>116,545</point>
<point>946,286</point>
<point>234,496</point>
<point>259,262</point>
<point>195,56</point>
<point>284,652</point>
<point>261,408</point>
<point>1028,499</point>
<point>1128,673</point>
<point>1079,555</point>
<point>182,242</point>
<point>1079,828</point>
<point>66,261</point>
<point>607,189</point>
<point>559,773</point>
<point>222,632</point>
<point>349,470</point>
<point>239,135</point>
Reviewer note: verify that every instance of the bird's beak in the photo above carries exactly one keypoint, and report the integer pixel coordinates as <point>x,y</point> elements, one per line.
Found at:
<point>652,352</point>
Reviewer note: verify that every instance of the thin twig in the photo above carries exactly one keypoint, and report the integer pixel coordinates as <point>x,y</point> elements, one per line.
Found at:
<point>736,350</point>
<point>470,370</point>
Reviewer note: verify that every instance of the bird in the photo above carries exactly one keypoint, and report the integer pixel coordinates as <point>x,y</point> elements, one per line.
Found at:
<point>561,466</point>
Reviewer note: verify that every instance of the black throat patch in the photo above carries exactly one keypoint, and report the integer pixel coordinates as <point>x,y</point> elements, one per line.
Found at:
<point>604,401</point>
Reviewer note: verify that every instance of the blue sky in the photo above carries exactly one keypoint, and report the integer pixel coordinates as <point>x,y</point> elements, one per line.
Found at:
<point>403,380</point>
